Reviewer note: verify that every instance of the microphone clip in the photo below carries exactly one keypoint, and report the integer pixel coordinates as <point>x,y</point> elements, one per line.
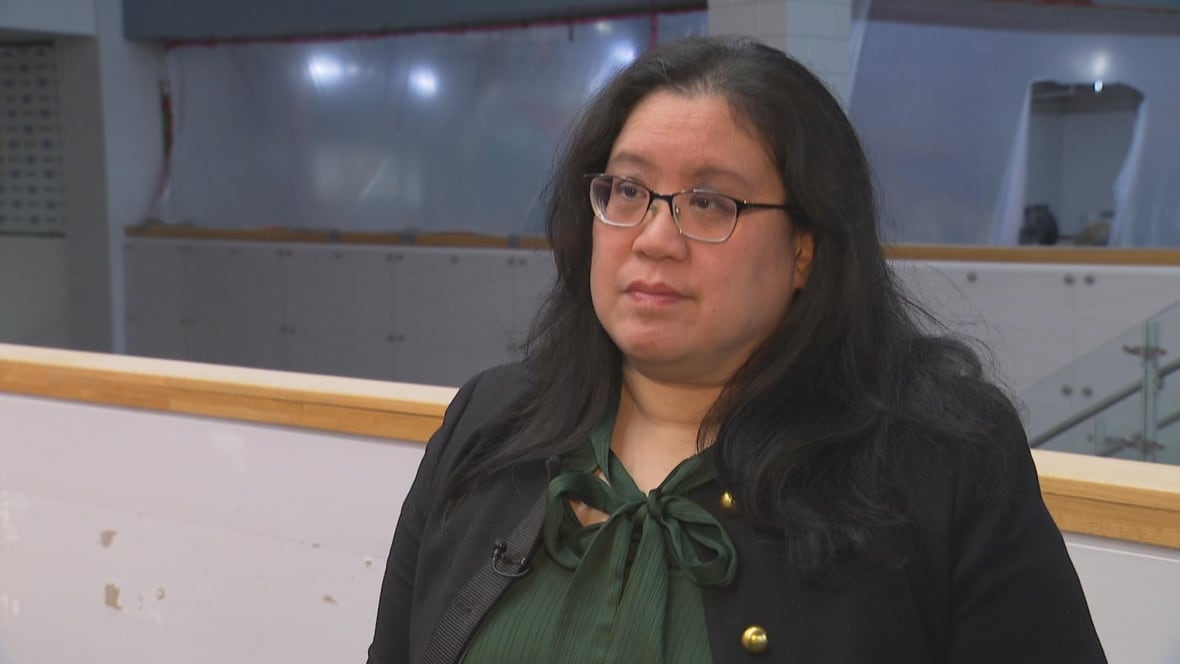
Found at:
<point>500,562</point>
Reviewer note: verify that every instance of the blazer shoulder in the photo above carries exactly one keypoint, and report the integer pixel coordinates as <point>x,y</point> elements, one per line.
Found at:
<point>492,391</point>
<point>481,401</point>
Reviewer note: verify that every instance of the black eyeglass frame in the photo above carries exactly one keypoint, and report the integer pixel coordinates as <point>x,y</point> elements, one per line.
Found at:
<point>740,205</point>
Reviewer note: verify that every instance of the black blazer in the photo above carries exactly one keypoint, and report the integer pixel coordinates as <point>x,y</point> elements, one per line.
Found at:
<point>988,585</point>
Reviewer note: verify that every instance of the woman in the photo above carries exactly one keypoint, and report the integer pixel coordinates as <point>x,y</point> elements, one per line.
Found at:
<point>730,437</point>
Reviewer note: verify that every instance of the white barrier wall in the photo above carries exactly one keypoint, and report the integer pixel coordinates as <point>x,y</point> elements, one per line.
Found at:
<point>1134,595</point>
<point>137,538</point>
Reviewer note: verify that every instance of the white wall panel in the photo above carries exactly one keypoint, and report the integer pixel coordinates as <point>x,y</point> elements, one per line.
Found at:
<point>453,313</point>
<point>233,296</point>
<point>438,315</point>
<point>155,310</point>
<point>1120,298</point>
<point>533,278</point>
<point>33,301</point>
<point>1023,315</point>
<point>339,310</point>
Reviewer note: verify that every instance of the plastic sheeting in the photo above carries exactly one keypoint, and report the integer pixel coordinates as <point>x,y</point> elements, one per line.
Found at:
<point>944,115</point>
<point>427,132</point>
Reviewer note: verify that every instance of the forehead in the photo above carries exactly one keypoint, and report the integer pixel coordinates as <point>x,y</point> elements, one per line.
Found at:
<point>693,134</point>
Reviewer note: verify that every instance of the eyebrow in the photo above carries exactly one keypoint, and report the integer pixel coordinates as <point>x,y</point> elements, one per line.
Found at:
<point>632,158</point>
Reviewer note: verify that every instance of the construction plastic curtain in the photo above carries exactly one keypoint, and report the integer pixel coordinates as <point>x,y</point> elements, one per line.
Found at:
<point>429,132</point>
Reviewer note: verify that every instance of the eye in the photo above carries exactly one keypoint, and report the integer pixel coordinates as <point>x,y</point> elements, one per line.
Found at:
<point>629,190</point>
<point>704,202</point>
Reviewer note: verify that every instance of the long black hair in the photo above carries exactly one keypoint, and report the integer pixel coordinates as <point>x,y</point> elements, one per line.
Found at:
<point>814,433</point>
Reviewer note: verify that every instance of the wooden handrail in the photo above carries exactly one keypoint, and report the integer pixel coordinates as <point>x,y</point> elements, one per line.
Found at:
<point>912,252</point>
<point>329,403</point>
<point>1114,498</point>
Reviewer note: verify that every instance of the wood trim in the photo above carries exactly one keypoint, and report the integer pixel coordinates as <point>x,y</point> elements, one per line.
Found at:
<point>909,252</point>
<point>458,239</point>
<point>1124,500</point>
<point>1115,498</point>
<point>347,405</point>
<point>1049,255</point>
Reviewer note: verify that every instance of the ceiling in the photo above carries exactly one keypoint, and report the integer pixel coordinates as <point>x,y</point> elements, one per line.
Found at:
<point>1017,15</point>
<point>22,36</point>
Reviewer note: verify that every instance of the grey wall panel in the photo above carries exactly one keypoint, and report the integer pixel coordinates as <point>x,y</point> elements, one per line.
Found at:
<point>532,281</point>
<point>453,313</point>
<point>34,308</point>
<point>198,19</point>
<point>233,296</point>
<point>155,314</point>
<point>339,310</point>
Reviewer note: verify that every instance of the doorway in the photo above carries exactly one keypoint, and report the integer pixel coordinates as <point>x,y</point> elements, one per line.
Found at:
<point>1078,138</point>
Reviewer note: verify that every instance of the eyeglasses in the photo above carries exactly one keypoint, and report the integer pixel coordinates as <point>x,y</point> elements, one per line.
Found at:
<point>700,214</point>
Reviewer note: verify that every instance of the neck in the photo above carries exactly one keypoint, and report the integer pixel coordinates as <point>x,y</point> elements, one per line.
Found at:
<point>665,404</point>
<point>657,423</point>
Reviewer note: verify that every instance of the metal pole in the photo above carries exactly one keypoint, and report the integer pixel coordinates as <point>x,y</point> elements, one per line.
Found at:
<point>1151,388</point>
<point>1099,434</point>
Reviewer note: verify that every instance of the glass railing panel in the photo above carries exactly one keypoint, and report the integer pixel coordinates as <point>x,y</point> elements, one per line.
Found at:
<point>1168,397</point>
<point>1097,405</point>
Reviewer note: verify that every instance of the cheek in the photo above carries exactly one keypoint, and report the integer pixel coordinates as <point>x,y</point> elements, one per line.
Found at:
<point>763,287</point>
<point>602,270</point>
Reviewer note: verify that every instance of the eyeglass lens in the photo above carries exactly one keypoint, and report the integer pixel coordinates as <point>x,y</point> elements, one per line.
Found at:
<point>701,214</point>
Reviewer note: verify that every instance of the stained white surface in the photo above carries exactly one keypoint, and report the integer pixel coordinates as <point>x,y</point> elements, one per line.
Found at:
<point>1134,596</point>
<point>226,542</point>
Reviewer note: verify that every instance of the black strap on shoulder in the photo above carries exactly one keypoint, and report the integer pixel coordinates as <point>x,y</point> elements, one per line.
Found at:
<point>509,560</point>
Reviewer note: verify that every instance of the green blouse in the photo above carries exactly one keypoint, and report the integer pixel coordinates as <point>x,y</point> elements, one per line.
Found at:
<point>626,589</point>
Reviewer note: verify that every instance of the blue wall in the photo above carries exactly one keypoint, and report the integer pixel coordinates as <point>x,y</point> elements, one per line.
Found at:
<point>227,19</point>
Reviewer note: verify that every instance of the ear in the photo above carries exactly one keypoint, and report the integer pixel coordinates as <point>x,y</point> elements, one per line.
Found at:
<point>804,242</point>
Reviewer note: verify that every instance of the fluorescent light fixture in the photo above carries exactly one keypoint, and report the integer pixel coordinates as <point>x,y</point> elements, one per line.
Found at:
<point>622,53</point>
<point>1101,65</point>
<point>324,70</point>
<point>423,81</point>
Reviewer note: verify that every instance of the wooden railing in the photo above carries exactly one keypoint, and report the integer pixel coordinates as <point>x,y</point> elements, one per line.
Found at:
<point>1124,500</point>
<point>917,252</point>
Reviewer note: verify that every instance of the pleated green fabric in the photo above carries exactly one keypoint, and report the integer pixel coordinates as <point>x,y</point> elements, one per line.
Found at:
<point>624,590</point>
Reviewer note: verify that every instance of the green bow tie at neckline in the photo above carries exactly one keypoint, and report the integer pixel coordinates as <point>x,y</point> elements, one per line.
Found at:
<point>614,609</point>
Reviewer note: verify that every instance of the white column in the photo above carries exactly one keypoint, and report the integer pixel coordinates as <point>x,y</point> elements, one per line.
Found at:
<point>815,32</point>
<point>113,157</point>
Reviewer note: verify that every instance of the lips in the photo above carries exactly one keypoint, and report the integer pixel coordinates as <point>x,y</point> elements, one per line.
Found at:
<point>653,293</point>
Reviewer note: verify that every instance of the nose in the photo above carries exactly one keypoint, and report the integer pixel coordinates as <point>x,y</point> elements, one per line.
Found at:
<point>659,234</point>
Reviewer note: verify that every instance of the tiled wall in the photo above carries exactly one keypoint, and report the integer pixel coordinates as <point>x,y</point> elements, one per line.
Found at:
<point>30,141</point>
<point>816,32</point>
